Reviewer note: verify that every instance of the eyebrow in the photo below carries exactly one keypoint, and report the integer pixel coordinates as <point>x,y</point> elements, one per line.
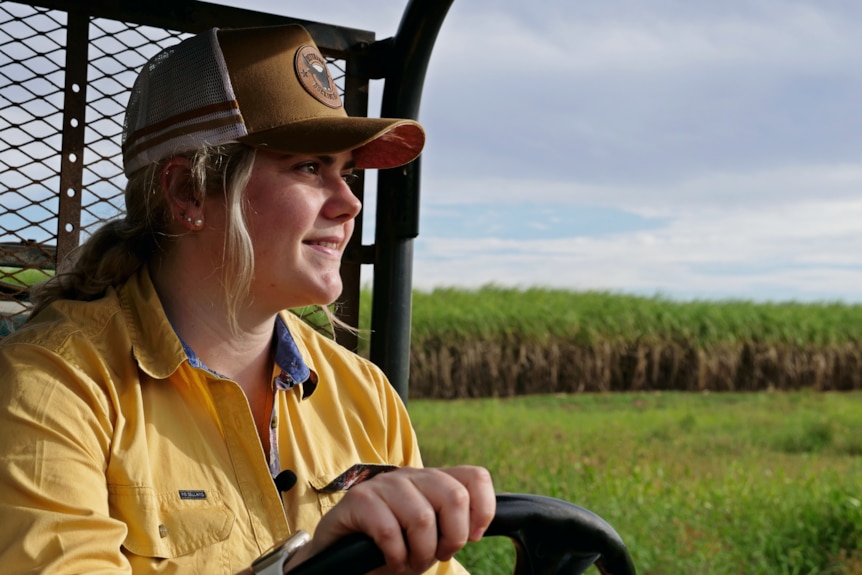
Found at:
<point>327,159</point>
<point>330,160</point>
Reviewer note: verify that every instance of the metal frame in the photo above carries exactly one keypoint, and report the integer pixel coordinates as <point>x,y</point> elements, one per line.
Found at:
<point>398,194</point>
<point>400,61</point>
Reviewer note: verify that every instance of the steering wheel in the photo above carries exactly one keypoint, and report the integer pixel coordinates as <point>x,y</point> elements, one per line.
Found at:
<point>551,537</point>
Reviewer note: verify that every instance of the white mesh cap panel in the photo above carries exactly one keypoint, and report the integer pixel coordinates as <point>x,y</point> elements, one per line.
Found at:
<point>180,101</point>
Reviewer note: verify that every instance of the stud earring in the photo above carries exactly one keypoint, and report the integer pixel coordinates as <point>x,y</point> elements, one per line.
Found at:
<point>199,222</point>
<point>189,220</point>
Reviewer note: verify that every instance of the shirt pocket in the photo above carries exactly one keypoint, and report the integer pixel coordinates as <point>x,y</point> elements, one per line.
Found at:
<point>331,487</point>
<point>166,525</point>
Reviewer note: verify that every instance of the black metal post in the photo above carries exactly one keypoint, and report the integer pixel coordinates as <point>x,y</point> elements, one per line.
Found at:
<point>398,195</point>
<point>72,153</point>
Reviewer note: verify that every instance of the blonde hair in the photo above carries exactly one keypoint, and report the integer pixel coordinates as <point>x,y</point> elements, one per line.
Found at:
<point>120,247</point>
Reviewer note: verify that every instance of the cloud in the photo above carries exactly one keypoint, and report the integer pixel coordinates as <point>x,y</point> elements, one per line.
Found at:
<point>763,189</point>
<point>634,93</point>
<point>593,36</point>
<point>808,250</point>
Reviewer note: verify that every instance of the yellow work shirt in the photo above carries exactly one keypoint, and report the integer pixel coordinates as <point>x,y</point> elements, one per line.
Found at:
<point>118,456</point>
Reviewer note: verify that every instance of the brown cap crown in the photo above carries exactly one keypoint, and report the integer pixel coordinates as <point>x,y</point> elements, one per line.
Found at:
<point>266,87</point>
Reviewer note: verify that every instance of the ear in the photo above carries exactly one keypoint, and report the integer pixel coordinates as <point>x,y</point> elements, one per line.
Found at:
<point>183,200</point>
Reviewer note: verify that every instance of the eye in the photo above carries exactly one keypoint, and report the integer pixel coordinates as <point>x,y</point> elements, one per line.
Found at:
<point>350,178</point>
<point>312,168</point>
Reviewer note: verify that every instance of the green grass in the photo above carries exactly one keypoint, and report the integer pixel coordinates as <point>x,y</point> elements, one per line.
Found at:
<point>22,276</point>
<point>708,484</point>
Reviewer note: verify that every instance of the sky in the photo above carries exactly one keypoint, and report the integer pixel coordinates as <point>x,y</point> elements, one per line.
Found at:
<point>691,150</point>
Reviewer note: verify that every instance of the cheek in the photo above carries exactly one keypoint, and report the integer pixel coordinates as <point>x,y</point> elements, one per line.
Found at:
<point>272,220</point>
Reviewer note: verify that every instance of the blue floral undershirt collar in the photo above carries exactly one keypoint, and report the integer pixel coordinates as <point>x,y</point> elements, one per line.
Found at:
<point>294,371</point>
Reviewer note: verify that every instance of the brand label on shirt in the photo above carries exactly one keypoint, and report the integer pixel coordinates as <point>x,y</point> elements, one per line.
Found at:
<point>193,494</point>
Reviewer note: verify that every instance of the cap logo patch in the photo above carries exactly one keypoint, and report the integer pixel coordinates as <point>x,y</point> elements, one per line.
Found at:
<point>314,76</point>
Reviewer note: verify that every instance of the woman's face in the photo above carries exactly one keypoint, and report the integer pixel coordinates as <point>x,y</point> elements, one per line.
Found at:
<point>300,214</point>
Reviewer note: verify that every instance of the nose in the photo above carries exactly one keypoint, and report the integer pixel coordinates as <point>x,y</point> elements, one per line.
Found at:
<point>343,204</point>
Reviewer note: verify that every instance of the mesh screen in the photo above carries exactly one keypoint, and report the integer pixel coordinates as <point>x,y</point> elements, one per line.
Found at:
<point>32,83</point>
<point>117,51</point>
<point>32,57</point>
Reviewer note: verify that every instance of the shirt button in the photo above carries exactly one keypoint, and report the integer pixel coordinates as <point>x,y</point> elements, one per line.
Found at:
<point>273,423</point>
<point>163,531</point>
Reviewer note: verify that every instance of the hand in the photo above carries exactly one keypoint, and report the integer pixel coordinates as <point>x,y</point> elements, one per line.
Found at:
<point>415,516</point>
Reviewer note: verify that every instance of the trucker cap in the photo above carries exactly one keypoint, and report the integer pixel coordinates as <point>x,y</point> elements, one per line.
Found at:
<point>267,87</point>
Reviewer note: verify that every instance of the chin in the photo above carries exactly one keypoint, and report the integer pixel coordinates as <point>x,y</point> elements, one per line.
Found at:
<point>328,293</point>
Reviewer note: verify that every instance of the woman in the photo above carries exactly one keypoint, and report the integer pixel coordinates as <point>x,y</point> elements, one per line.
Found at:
<point>161,413</point>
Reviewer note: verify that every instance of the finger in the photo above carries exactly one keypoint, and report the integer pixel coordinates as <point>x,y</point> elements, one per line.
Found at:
<point>451,501</point>
<point>364,509</point>
<point>483,499</point>
<point>413,496</point>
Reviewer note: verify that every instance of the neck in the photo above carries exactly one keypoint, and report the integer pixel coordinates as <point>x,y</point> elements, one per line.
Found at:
<point>196,306</point>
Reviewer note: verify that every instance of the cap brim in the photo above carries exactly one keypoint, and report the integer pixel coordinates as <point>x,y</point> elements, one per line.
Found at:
<point>377,143</point>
